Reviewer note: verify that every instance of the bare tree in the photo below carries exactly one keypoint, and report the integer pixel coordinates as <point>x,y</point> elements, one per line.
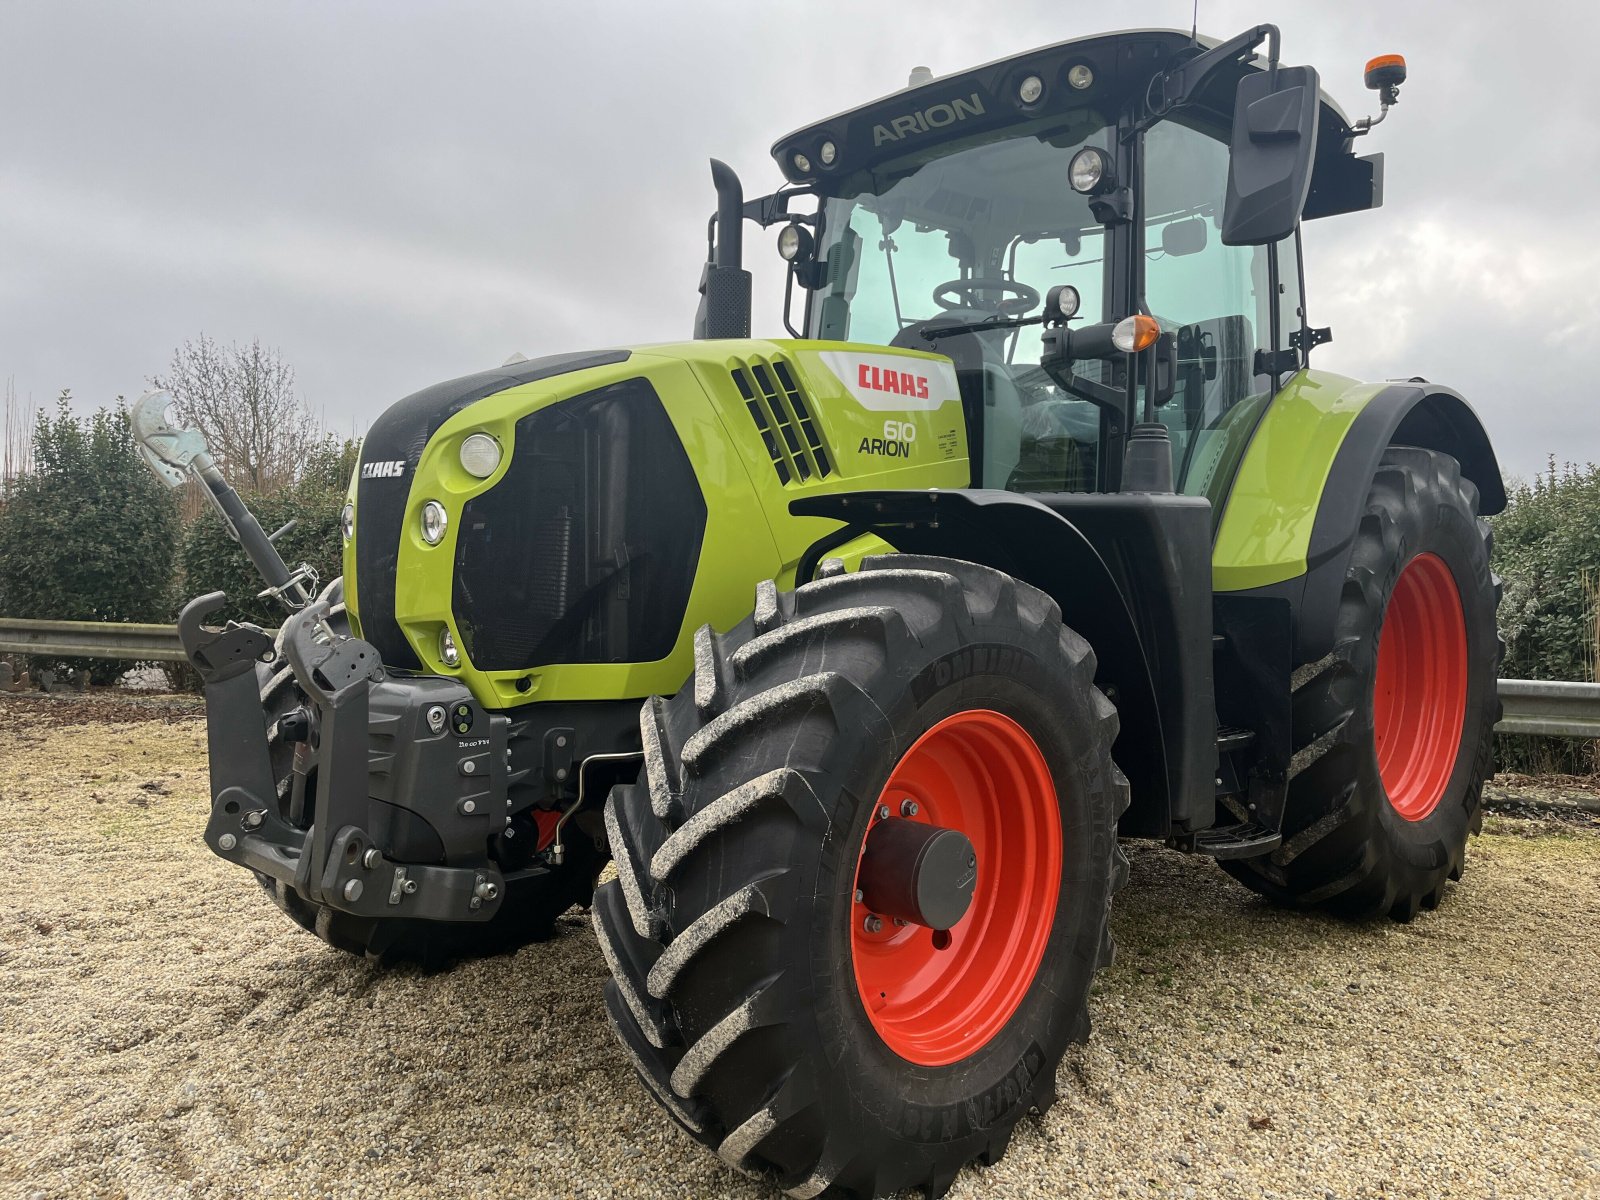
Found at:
<point>243,399</point>
<point>16,455</point>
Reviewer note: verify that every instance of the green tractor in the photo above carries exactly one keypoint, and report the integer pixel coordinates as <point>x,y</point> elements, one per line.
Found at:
<point>1038,531</point>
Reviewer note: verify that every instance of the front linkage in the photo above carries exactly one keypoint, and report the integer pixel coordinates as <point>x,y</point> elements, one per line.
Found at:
<point>413,765</point>
<point>407,744</point>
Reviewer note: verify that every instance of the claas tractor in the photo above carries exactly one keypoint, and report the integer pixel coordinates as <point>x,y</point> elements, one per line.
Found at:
<point>856,651</point>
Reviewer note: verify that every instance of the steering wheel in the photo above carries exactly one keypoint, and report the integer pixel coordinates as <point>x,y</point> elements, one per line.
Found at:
<point>966,294</point>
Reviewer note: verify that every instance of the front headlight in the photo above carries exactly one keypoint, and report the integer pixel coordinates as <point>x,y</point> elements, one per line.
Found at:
<point>480,455</point>
<point>448,654</point>
<point>434,522</point>
<point>347,520</point>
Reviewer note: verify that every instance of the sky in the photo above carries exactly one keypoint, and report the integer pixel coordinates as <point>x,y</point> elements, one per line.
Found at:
<point>396,193</point>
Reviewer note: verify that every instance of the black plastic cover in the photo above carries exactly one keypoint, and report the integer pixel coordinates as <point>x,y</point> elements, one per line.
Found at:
<point>1271,153</point>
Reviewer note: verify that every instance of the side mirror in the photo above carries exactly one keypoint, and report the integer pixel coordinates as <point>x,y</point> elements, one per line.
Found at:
<point>1184,237</point>
<point>1270,155</point>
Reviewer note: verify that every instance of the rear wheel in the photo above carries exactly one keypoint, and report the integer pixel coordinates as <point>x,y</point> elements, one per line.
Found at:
<point>863,884</point>
<point>1394,729</point>
<point>527,912</point>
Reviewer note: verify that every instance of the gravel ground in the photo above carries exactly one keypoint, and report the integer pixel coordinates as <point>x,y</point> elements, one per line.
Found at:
<point>165,1032</point>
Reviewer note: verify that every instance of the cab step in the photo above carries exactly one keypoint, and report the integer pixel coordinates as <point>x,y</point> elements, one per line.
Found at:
<point>1245,840</point>
<point>1231,738</point>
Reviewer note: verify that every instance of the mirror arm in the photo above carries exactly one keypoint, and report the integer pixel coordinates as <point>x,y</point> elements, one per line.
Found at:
<point>1056,361</point>
<point>1181,83</point>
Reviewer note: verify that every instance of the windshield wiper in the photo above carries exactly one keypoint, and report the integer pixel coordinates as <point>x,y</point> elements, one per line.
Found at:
<point>944,331</point>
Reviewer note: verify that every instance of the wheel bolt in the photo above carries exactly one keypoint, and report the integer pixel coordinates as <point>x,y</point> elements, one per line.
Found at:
<point>860,895</point>
<point>883,812</point>
<point>908,808</point>
<point>873,923</point>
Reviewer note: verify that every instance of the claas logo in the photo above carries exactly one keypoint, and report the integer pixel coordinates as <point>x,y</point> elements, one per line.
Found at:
<point>898,383</point>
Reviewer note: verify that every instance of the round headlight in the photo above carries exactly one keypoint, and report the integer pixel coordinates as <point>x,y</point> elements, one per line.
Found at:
<point>794,242</point>
<point>448,654</point>
<point>1064,301</point>
<point>1030,90</point>
<point>347,520</point>
<point>1081,77</point>
<point>1090,170</point>
<point>480,455</point>
<point>434,522</point>
<point>801,163</point>
<point>828,153</point>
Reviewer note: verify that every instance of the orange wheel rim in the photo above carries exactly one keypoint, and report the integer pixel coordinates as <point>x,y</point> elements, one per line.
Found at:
<point>936,998</point>
<point>1419,694</point>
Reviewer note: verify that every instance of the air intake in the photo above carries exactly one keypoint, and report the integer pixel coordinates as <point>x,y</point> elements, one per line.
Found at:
<point>783,415</point>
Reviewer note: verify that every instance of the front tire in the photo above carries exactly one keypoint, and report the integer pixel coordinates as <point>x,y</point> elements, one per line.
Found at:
<point>1394,728</point>
<point>761,1006</point>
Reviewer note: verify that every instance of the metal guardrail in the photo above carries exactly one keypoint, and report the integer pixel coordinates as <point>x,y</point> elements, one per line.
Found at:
<point>1532,706</point>
<point>1539,706</point>
<point>90,639</point>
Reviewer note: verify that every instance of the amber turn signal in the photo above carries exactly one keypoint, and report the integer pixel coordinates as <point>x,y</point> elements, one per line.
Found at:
<point>1135,333</point>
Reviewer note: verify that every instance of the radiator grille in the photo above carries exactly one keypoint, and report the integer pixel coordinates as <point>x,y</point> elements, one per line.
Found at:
<point>782,413</point>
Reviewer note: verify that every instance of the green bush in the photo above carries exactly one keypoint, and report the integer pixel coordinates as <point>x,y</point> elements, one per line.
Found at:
<point>88,534</point>
<point>1547,552</point>
<point>213,561</point>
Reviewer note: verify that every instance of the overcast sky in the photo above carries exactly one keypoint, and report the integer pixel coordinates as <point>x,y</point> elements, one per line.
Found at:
<point>397,193</point>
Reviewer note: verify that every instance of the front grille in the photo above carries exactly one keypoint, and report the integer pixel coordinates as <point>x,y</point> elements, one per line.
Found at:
<point>782,413</point>
<point>586,549</point>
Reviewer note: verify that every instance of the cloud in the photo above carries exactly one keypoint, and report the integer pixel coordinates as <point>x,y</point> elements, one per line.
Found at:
<point>394,194</point>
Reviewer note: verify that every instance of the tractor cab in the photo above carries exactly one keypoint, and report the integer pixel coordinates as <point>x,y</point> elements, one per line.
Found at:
<point>1011,216</point>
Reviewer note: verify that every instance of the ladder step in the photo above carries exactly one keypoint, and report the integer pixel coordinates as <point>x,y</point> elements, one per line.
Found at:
<point>1233,738</point>
<point>1245,840</point>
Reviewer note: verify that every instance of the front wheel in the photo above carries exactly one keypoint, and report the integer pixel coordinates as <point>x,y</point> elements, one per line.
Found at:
<point>1394,729</point>
<point>863,884</point>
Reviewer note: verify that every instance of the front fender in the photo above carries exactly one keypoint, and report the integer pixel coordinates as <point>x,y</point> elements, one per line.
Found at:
<point>1024,538</point>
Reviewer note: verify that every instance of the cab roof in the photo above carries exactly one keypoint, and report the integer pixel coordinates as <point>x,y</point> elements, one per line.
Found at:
<point>896,133</point>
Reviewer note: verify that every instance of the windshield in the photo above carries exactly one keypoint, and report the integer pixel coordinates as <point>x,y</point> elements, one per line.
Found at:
<point>998,223</point>
<point>979,235</point>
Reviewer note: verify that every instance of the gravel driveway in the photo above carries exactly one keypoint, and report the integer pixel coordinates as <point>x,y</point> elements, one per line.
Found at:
<point>165,1032</point>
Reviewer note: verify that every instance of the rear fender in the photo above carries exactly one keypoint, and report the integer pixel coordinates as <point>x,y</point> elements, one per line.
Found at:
<point>1025,539</point>
<point>1300,491</point>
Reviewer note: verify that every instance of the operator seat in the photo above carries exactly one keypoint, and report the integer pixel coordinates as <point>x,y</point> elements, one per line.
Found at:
<point>991,402</point>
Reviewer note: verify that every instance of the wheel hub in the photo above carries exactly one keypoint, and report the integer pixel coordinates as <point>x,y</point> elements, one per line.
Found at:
<point>918,874</point>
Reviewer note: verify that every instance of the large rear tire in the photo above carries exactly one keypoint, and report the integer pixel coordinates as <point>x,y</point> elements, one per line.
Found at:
<point>527,912</point>
<point>773,1014</point>
<point>1394,728</point>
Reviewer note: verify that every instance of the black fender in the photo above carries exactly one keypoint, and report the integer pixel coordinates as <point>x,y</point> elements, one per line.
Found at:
<point>1409,413</point>
<point>1026,539</point>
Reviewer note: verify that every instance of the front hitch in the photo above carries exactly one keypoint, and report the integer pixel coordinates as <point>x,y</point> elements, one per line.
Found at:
<point>338,861</point>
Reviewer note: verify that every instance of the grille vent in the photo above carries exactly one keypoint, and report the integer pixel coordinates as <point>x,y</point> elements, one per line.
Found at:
<point>783,415</point>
